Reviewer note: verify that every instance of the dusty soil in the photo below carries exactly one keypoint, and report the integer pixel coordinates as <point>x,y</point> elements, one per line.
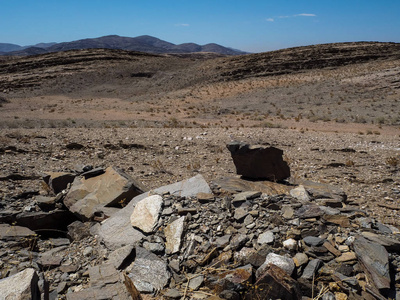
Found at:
<point>333,109</point>
<point>365,166</point>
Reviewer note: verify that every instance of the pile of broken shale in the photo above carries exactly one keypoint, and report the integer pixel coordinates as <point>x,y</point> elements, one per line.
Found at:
<point>99,234</point>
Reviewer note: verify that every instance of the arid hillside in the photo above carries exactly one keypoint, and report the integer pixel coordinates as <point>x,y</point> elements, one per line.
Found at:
<point>339,83</point>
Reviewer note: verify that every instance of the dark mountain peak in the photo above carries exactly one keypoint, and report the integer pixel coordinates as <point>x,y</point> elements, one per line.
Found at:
<point>5,47</point>
<point>143,43</point>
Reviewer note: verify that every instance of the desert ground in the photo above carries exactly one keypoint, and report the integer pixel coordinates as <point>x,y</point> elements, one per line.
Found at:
<point>333,109</point>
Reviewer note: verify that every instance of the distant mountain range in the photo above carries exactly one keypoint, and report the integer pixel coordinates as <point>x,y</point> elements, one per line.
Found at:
<point>144,43</point>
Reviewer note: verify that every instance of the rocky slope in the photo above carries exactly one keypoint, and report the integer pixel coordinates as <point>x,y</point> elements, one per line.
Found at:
<point>228,237</point>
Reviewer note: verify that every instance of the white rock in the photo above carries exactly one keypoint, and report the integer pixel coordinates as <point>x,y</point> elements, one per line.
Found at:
<point>173,235</point>
<point>266,238</point>
<point>290,244</point>
<point>146,213</point>
<point>300,194</point>
<point>285,263</point>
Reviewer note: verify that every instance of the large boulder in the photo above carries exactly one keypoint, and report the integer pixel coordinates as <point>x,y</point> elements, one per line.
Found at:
<point>108,189</point>
<point>21,286</point>
<point>259,162</point>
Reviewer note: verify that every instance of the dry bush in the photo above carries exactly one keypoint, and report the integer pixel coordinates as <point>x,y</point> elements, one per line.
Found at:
<point>392,161</point>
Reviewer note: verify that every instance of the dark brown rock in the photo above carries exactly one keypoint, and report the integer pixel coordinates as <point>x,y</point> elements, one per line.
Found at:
<point>53,220</point>
<point>274,283</point>
<point>58,181</point>
<point>78,230</point>
<point>259,162</point>
<point>112,188</point>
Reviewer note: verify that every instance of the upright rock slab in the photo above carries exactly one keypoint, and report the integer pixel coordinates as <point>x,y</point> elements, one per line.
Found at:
<point>146,213</point>
<point>375,260</point>
<point>21,286</point>
<point>108,189</point>
<point>173,234</point>
<point>117,231</point>
<point>259,162</point>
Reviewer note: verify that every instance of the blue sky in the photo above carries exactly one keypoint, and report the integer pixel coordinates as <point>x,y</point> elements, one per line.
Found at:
<point>251,25</point>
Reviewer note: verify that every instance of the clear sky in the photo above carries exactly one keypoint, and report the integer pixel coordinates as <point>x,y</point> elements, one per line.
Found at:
<point>249,25</point>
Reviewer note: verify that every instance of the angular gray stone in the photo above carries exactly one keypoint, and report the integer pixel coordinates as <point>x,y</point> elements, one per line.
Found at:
<point>238,241</point>
<point>309,211</point>
<point>172,294</point>
<point>111,188</point>
<point>195,281</point>
<point>8,232</point>
<point>222,241</point>
<point>300,259</point>
<point>259,162</point>
<point>285,263</point>
<point>106,283</point>
<point>148,272</point>
<point>146,213</point>
<point>240,213</point>
<point>391,244</point>
<point>321,190</point>
<point>117,231</point>
<point>287,211</point>
<point>103,274</point>
<point>51,258</point>
<point>243,196</point>
<point>233,185</point>
<point>311,269</point>
<point>313,241</point>
<point>266,238</point>
<point>154,247</point>
<point>375,260</point>
<point>173,235</point>
<point>21,286</point>
<point>45,203</point>
<point>122,257</point>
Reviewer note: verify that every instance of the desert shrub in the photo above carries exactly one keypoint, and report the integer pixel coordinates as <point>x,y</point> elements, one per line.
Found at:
<point>270,125</point>
<point>380,120</point>
<point>392,161</point>
<point>3,100</point>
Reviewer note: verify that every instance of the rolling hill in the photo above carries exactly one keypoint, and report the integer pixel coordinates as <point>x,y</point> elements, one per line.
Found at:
<point>144,43</point>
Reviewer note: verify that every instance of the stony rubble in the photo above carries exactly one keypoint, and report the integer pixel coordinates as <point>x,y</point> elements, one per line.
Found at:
<point>232,238</point>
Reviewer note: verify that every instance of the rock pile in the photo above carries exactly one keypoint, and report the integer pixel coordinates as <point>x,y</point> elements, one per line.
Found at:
<point>230,239</point>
